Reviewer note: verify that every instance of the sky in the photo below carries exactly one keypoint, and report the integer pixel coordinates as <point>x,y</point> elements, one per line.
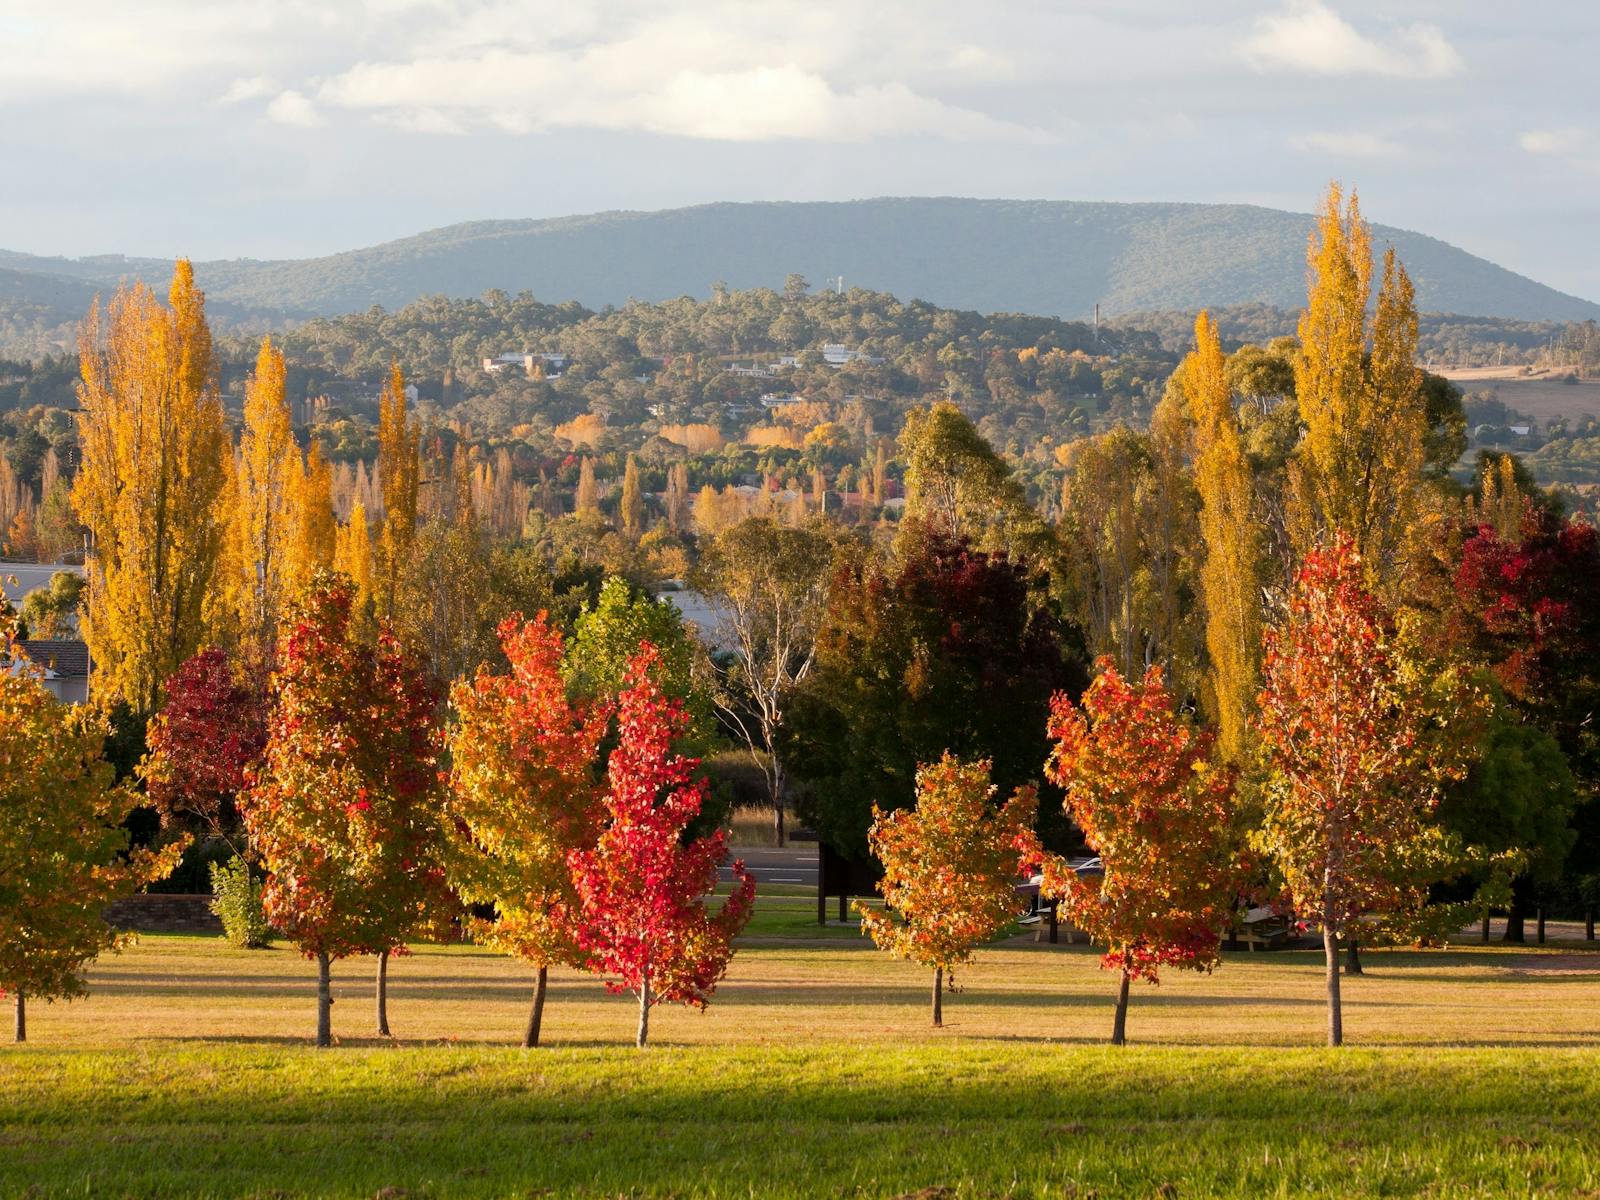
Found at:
<point>285,128</point>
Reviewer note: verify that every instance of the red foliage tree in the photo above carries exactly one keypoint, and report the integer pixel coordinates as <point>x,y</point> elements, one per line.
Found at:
<point>1355,776</point>
<point>203,743</point>
<point>344,811</point>
<point>1140,786</point>
<point>643,892</point>
<point>1525,606</point>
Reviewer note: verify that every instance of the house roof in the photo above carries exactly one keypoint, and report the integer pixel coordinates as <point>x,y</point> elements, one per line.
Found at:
<point>67,657</point>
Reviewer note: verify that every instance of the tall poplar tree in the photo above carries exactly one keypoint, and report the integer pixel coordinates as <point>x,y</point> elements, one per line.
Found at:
<point>631,510</point>
<point>399,474</point>
<point>316,532</point>
<point>1357,469</point>
<point>1230,574</point>
<point>269,487</point>
<point>155,453</point>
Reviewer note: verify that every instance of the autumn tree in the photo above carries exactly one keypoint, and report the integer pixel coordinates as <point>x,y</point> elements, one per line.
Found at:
<point>1139,784</point>
<point>631,507</point>
<point>1354,775</point>
<point>957,486</point>
<point>154,467</point>
<point>941,648</point>
<point>770,584</point>
<point>1230,573</point>
<point>642,889</point>
<point>587,497</point>
<point>316,531</point>
<point>1357,469</point>
<point>352,557</point>
<point>269,486</point>
<point>343,811</point>
<point>950,868</point>
<point>202,744</point>
<point>63,847</point>
<point>523,797</point>
<point>399,474</point>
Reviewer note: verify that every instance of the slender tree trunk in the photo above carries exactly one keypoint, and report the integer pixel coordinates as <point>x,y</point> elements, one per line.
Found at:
<point>1330,950</point>
<point>1588,924</point>
<point>644,1013</point>
<point>530,1038</point>
<point>777,791</point>
<point>938,997</point>
<point>1352,958</point>
<point>1119,1027</point>
<point>324,1002</point>
<point>383,995</point>
<point>1485,931</point>
<point>21,1005</point>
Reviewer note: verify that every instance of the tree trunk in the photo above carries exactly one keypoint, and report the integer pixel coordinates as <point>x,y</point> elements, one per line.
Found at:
<point>1485,931</point>
<point>1330,950</point>
<point>1540,934</point>
<point>777,790</point>
<point>1119,1027</point>
<point>938,997</point>
<point>22,1018</point>
<point>383,995</point>
<point>644,1012</point>
<point>530,1037</point>
<point>324,1002</point>
<point>1352,958</point>
<point>1516,915</point>
<point>1588,924</point>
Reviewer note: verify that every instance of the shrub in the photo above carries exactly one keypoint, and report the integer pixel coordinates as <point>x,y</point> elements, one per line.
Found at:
<point>237,901</point>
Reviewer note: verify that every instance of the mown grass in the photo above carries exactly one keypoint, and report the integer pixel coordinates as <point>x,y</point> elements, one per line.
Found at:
<point>815,1073</point>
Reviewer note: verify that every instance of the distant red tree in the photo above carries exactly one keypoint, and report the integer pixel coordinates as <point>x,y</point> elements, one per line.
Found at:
<point>644,916</point>
<point>204,742</point>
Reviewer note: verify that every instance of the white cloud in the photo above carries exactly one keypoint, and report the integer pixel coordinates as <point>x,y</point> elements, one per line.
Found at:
<point>1347,145</point>
<point>630,84</point>
<point>294,108</point>
<point>251,88</point>
<point>1560,143</point>
<point>1309,36</point>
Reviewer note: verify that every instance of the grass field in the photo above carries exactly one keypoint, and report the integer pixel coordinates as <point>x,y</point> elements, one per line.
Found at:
<point>1474,1072</point>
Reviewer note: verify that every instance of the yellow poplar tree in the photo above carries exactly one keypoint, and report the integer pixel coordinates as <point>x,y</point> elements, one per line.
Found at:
<point>268,490</point>
<point>154,468</point>
<point>1358,466</point>
<point>353,556</point>
<point>399,472</point>
<point>315,530</point>
<point>632,507</point>
<point>1230,574</point>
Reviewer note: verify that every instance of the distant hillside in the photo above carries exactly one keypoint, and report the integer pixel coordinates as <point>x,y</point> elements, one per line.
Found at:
<point>1055,258</point>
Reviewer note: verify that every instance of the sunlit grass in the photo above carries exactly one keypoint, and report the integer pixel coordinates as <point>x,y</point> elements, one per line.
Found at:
<point>1475,1072</point>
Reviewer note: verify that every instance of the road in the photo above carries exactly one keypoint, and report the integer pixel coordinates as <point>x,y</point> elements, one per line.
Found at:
<point>792,864</point>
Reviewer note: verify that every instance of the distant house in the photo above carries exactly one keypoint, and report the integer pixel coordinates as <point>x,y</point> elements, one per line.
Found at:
<point>837,355</point>
<point>552,365</point>
<point>770,400</point>
<point>65,666</point>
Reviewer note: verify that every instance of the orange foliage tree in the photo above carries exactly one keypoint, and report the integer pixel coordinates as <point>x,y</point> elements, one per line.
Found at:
<point>1139,786</point>
<point>950,868</point>
<point>1357,763</point>
<point>523,797</point>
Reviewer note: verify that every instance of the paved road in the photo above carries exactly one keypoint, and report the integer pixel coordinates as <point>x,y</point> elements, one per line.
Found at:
<point>792,864</point>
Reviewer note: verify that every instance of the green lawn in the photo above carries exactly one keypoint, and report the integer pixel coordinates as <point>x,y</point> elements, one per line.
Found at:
<point>187,1072</point>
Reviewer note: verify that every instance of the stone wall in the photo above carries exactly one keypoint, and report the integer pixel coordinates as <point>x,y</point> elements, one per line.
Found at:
<point>154,912</point>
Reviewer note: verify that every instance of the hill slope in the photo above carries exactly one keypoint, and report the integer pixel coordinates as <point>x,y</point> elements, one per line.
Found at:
<point>1054,258</point>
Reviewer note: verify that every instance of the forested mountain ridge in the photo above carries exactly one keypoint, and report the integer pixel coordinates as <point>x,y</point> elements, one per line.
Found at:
<point>1057,258</point>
